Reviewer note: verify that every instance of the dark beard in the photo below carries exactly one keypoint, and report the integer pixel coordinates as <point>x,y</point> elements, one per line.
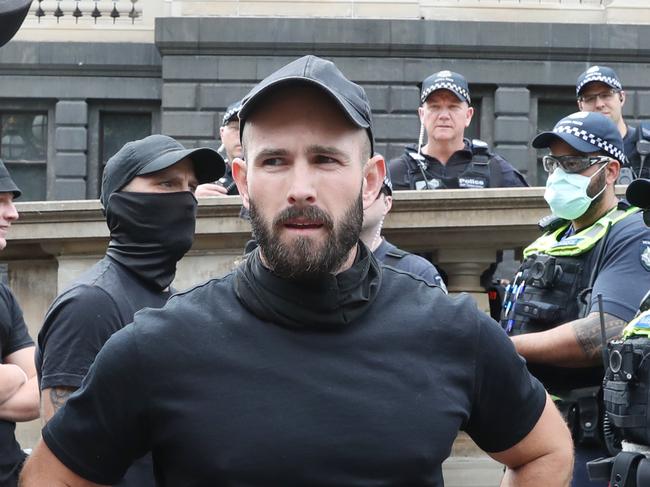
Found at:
<point>595,211</point>
<point>303,259</point>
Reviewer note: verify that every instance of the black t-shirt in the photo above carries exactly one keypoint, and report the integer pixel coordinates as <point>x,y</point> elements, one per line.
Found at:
<point>80,320</point>
<point>405,173</point>
<point>13,337</point>
<point>227,387</point>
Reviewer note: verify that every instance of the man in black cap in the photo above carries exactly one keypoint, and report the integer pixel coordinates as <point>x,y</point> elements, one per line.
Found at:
<point>448,159</point>
<point>599,89</point>
<point>147,196</point>
<point>386,252</point>
<point>18,383</point>
<point>594,246</point>
<point>229,134</point>
<point>310,364</point>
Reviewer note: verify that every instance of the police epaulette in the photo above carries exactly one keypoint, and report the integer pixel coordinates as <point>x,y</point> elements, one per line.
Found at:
<point>550,223</point>
<point>397,253</point>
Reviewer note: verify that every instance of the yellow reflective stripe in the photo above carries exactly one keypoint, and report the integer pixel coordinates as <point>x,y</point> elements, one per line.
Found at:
<point>549,243</point>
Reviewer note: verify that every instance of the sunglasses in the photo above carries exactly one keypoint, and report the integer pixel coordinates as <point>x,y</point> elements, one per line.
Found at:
<point>572,164</point>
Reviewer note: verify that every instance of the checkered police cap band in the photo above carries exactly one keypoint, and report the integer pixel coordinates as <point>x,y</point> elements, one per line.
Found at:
<point>608,80</point>
<point>446,85</point>
<point>612,150</point>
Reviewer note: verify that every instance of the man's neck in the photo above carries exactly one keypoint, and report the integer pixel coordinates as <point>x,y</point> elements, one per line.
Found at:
<point>371,237</point>
<point>443,150</point>
<point>622,127</point>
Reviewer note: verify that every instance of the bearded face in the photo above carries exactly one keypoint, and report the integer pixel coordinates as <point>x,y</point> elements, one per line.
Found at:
<point>306,256</point>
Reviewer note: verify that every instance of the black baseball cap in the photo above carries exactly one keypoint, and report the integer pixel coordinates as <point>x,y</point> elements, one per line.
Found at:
<point>604,74</point>
<point>323,74</point>
<point>446,80</point>
<point>7,184</point>
<point>638,193</point>
<point>155,153</point>
<point>12,14</point>
<point>586,132</point>
<point>231,113</point>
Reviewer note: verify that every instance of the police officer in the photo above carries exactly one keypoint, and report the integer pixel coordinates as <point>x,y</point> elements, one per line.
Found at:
<point>448,159</point>
<point>147,196</point>
<point>599,89</point>
<point>386,252</point>
<point>229,134</point>
<point>594,246</point>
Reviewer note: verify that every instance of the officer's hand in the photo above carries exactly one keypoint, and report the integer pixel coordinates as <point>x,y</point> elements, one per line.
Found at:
<point>210,189</point>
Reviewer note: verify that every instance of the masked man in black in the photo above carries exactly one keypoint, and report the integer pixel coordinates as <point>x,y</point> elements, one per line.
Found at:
<point>147,196</point>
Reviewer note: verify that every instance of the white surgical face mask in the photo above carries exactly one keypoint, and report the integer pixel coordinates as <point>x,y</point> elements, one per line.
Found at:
<point>566,193</point>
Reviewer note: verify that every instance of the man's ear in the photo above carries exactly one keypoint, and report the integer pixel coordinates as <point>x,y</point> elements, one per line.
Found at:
<point>622,97</point>
<point>613,169</point>
<point>241,179</point>
<point>468,116</point>
<point>374,173</point>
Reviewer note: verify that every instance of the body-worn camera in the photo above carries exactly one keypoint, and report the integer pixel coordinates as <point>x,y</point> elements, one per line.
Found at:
<point>626,388</point>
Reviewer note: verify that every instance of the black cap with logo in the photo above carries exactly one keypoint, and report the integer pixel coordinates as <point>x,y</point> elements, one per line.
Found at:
<point>323,74</point>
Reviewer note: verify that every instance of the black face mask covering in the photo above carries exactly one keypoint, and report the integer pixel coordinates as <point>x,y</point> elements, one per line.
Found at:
<point>151,232</point>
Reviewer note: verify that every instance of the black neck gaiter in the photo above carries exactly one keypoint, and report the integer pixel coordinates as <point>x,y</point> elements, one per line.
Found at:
<point>328,303</point>
<point>151,232</point>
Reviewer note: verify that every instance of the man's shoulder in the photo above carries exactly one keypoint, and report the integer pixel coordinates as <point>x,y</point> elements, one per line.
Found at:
<point>203,303</point>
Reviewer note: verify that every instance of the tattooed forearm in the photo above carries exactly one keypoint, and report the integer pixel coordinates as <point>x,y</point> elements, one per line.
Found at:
<point>588,332</point>
<point>59,396</point>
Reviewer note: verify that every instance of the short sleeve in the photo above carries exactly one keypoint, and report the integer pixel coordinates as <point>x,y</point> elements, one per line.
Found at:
<point>75,329</point>
<point>624,277</point>
<point>508,400</point>
<point>103,428</point>
<point>14,335</point>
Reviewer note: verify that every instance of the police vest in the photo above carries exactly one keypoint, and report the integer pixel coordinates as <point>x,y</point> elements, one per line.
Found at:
<point>482,171</point>
<point>552,285</point>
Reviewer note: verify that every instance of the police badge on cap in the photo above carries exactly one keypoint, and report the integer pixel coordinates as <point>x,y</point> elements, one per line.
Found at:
<point>446,80</point>
<point>603,74</point>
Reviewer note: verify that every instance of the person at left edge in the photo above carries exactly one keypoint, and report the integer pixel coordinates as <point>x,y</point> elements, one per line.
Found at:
<point>150,208</point>
<point>18,383</point>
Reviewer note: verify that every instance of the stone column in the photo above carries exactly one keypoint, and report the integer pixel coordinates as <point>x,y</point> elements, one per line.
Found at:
<point>464,267</point>
<point>70,143</point>
<point>512,127</point>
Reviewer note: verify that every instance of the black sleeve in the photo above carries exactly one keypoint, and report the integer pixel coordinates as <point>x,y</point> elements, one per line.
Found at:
<point>13,331</point>
<point>75,329</point>
<point>508,401</point>
<point>103,428</point>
